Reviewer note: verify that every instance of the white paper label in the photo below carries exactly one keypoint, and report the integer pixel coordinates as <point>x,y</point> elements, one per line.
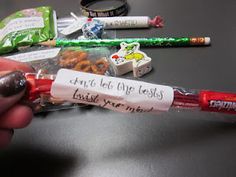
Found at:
<point>117,94</point>
<point>35,55</point>
<point>21,24</point>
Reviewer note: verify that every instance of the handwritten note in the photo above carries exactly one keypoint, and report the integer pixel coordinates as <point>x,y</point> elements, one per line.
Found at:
<point>113,93</point>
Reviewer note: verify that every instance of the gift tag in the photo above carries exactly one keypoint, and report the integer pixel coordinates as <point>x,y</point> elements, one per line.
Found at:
<point>130,58</point>
<point>74,26</point>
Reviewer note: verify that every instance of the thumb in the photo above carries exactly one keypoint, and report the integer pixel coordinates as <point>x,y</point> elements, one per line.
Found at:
<point>12,87</point>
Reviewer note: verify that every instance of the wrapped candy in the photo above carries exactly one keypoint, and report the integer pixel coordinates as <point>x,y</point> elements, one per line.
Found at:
<point>93,29</point>
<point>69,25</point>
<point>125,95</point>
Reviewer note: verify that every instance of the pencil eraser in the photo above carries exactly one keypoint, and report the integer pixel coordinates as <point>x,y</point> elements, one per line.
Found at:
<point>207,40</point>
<point>130,58</point>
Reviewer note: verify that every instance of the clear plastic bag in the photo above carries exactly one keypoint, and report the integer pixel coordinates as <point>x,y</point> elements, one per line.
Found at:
<point>91,60</point>
<point>47,61</point>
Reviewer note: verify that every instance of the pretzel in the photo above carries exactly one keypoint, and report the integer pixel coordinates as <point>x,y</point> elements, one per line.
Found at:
<point>70,58</point>
<point>100,66</point>
<point>84,66</point>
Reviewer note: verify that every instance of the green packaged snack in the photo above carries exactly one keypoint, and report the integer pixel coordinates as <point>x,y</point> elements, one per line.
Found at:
<point>27,27</point>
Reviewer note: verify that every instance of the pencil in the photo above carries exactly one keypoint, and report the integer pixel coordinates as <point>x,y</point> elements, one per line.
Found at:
<point>152,42</point>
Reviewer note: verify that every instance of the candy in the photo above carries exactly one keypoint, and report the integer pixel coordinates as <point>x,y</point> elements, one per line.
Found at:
<point>68,26</point>
<point>93,29</point>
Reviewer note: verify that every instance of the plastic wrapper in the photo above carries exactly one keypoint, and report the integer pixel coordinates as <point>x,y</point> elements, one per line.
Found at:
<point>91,60</point>
<point>47,61</point>
<point>27,27</point>
<point>128,96</point>
<point>121,22</point>
<point>68,29</point>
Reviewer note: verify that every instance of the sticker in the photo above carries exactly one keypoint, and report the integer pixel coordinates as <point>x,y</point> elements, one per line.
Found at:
<point>130,58</point>
<point>113,93</point>
<point>21,24</point>
<point>35,55</point>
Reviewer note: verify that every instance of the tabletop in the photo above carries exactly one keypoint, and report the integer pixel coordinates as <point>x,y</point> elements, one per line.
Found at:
<point>96,142</point>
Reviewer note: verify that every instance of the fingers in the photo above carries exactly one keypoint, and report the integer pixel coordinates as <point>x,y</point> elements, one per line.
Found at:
<point>11,65</point>
<point>12,87</point>
<point>5,137</point>
<point>18,116</point>
<point>12,82</point>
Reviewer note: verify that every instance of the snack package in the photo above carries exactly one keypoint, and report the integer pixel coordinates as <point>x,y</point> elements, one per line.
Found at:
<point>90,60</point>
<point>27,27</point>
<point>50,60</point>
<point>47,61</point>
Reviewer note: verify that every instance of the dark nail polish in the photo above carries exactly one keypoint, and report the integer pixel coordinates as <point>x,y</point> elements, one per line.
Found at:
<point>12,83</point>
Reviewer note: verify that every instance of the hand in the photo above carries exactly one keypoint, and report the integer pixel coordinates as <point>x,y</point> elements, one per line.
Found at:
<point>13,115</point>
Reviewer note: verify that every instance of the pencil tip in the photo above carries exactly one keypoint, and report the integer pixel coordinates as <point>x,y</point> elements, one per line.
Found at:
<point>48,43</point>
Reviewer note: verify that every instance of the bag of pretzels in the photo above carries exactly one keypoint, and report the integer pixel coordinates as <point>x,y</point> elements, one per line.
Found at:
<point>47,61</point>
